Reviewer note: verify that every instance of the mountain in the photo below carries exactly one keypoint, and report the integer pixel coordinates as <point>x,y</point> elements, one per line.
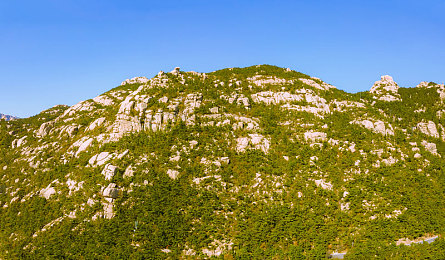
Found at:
<point>7,117</point>
<point>256,162</point>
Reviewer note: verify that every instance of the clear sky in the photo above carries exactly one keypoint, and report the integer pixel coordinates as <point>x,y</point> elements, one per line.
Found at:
<point>61,52</point>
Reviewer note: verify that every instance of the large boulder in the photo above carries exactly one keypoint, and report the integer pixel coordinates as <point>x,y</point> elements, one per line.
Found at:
<point>111,191</point>
<point>45,129</point>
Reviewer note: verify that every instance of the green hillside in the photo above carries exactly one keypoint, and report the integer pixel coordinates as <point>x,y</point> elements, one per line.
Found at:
<point>241,163</point>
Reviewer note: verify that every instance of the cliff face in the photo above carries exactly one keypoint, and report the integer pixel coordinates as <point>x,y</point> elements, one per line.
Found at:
<point>242,162</point>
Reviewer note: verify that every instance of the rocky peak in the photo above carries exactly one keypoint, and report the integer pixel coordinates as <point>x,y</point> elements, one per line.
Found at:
<point>385,89</point>
<point>386,78</point>
<point>175,71</point>
<point>386,83</point>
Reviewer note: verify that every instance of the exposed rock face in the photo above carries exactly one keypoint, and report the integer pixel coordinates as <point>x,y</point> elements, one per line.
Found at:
<point>423,84</point>
<point>175,71</point>
<point>428,129</point>
<point>390,161</point>
<point>47,192</point>
<point>109,171</point>
<point>192,101</point>
<point>386,83</point>
<point>83,144</point>
<point>270,97</point>
<point>96,123</point>
<point>70,130</point>
<point>385,89</point>
<point>133,115</point>
<point>376,126</point>
<point>45,128</point>
<point>430,147</point>
<point>110,193</point>
<point>254,141</point>
<point>81,106</point>
<point>172,173</point>
<point>238,99</point>
<point>315,136</point>
<point>158,120</point>
<point>125,124</point>
<point>135,80</point>
<point>343,106</point>
<point>18,142</point>
<point>74,186</point>
<point>323,184</point>
<point>261,80</point>
<point>214,110</point>
<point>108,209</point>
<point>100,159</point>
<point>219,247</point>
<point>318,105</point>
<point>104,100</point>
<point>312,83</point>
<point>129,172</point>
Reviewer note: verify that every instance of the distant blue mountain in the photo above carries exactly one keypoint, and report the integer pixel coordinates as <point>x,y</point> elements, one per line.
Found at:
<point>7,117</point>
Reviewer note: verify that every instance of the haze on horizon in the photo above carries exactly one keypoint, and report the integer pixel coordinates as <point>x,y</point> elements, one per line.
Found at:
<point>64,52</point>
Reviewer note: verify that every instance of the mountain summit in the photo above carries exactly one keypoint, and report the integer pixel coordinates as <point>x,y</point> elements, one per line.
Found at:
<point>386,89</point>
<point>256,162</point>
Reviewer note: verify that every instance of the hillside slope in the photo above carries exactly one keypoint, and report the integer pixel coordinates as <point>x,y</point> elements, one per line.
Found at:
<point>255,162</point>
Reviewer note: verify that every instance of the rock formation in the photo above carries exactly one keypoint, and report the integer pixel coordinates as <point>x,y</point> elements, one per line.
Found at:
<point>385,89</point>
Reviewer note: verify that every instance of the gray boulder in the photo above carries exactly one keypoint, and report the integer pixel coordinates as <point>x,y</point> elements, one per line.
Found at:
<point>111,191</point>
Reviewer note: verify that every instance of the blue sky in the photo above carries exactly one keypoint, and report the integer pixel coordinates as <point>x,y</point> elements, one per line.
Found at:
<point>62,52</point>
